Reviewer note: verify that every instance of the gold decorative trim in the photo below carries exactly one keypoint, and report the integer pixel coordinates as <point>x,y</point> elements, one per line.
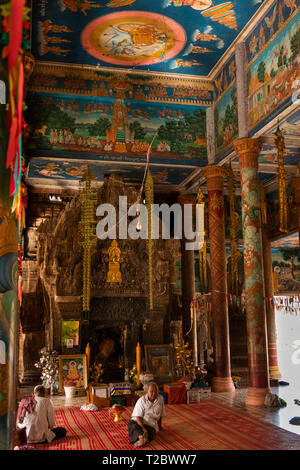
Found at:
<point>93,73</point>
<point>247,150</point>
<point>214,171</point>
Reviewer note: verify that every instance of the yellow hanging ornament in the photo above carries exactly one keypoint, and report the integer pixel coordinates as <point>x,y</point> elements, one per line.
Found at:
<point>202,251</point>
<point>88,199</point>
<point>149,201</point>
<point>283,214</point>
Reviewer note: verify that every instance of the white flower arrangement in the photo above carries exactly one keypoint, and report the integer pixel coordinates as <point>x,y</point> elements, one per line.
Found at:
<point>48,362</point>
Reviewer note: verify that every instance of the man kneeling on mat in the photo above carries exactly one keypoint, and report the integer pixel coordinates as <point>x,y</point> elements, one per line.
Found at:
<point>146,417</point>
<point>37,415</point>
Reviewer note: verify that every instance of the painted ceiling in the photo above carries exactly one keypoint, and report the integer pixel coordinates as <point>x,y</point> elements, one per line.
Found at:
<point>108,116</point>
<point>174,36</point>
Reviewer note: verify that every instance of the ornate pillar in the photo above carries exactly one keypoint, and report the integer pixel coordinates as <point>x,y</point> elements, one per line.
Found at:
<point>270,312</point>
<point>296,189</point>
<point>241,88</point>
<point>187,276</point>
<point>247,150</point>
<point>210,134</point>
<point>8,323</point>
<point>214,175</point>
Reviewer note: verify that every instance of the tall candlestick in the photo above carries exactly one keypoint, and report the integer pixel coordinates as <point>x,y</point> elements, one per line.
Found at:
<point>138,363</point>
<point>195,337</point>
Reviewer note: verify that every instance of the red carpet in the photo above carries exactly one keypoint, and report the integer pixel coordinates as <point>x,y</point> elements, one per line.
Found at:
<point>203,426</point>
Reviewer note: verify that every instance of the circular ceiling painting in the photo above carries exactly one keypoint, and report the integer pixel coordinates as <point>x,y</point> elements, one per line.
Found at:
<point>133,38</point>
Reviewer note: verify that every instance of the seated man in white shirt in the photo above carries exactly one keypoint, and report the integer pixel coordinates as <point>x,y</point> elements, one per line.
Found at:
<point>146,417</point>
<point>39,420</point>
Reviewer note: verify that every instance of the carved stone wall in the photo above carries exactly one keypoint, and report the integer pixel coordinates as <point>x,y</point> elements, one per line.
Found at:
<point>59,261</point>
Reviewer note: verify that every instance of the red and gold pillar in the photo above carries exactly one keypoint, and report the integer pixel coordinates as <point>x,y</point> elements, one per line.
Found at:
<point>270,311</point>
<point>247,150</point>
<point>222,381</point>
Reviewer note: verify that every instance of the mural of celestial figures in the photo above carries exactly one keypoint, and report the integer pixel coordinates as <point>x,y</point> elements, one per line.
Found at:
<point>120,85</point>
<point>132,174</point>
<point>186,36</point>
<point>109,126</point>
<point>225,78</point>
<point>286,264</point>
<point>273,76</point>
<point>272,22</point>
<point>226,120</point>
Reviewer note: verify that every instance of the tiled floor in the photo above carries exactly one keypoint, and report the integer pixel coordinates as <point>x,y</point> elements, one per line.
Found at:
<point>279,417</point>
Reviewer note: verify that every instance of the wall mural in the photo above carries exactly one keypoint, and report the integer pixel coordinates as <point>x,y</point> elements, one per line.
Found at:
<point>140,87</point>
<point>226,120</point>
<point>116,127</point>
<point>132,174</point>
<point>185,36</point>
<point>225,78</point>
<point>286,265</point>
<point>274,49</point>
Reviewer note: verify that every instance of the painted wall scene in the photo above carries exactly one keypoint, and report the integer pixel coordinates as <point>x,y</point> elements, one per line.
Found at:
<point>226,120</point>
<point>286,265</point>
<point>273,73</point>
<point>273,212</point>
<point>130,85</point>
<point>108,126</point>
<point>225,78</point>
<point>269,154</point>
<point>132,174</point>
<point>164,35</point>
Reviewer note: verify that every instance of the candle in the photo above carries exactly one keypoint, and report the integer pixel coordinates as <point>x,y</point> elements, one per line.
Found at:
<point>138,363</point>
<point>195,337</point>
<point>88,356</point>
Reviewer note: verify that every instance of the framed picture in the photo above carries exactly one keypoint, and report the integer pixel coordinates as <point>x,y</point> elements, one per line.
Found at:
<point>70,333</point>
<point>159,360</point>
<point>73,371</point>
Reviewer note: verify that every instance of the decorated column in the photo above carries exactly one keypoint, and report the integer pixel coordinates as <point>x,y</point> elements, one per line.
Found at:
<point>214,175</point>
<point>210,134</point>
<point>247,150</point>
<point>187,277</point>
<point>14,20</point>
<point>270,311</point>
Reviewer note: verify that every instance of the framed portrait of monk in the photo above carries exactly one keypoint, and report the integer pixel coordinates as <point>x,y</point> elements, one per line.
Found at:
<point>160,361</point>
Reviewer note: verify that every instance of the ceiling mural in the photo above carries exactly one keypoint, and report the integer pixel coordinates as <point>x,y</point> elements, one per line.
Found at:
<point>291,126</point>
<point>175,36</point>
<point>116,84</point>
<point>58,172</point>
<point>291,241</point>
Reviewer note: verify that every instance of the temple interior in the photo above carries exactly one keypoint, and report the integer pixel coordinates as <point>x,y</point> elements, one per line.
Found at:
<point>108,110</point>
